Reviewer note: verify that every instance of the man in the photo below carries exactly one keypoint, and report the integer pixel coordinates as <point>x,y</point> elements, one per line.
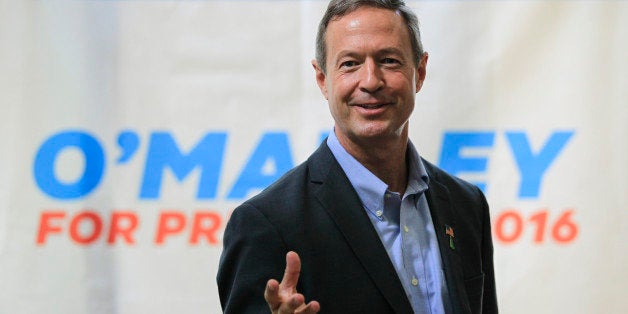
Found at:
<point>364,225</point>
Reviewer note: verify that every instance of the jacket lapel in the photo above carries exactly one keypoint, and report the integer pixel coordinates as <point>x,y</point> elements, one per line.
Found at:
<point>443,217</point>
<point>339,199</point>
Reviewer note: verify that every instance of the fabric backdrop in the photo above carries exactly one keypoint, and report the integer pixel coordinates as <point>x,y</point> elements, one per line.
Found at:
<point>130,130</point>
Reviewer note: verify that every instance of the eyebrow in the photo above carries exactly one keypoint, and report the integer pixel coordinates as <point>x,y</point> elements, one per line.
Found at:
<point>384,51</point>
<point>391,50</point>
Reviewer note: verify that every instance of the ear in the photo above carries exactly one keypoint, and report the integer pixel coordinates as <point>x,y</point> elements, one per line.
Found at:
<point>320,78</point>
<point>421,72</point>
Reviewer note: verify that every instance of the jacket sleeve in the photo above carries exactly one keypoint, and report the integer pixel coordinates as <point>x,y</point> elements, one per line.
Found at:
<point>253,253</point>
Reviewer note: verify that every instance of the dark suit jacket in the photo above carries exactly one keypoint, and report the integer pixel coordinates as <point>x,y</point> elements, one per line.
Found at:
<point>314,211</point>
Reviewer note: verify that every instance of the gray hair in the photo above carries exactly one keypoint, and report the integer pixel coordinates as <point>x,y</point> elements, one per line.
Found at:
<point>340,8</point>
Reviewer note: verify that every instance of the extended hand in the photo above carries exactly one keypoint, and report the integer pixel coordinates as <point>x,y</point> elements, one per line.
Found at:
<point>283,298</point>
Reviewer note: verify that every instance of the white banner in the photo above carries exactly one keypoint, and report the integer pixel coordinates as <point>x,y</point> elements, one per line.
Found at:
<point>130,130</point>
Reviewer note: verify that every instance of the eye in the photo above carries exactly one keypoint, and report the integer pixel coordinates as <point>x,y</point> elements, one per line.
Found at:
<point>348,64</point>
<point>390,61</point>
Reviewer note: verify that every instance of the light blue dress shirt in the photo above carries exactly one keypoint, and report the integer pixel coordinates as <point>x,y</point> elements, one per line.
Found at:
<point>405,227</point>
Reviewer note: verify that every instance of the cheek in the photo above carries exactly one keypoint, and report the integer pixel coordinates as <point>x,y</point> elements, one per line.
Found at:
<point>337,106</point>
<point>403,83</point>
<point>343,86</point>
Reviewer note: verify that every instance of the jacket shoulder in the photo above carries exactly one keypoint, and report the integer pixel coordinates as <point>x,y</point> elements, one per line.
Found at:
<point>290,185</point>
<point>447,179</point>
<point>294,186</point>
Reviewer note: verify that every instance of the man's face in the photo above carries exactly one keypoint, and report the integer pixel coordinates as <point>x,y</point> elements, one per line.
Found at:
<point>371,77</point>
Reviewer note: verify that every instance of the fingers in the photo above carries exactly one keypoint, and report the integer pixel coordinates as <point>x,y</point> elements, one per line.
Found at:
<point>293,270</point>
<point>271,294</point>
<point>283,297</point>
<point>310,308</point>
<point>278,303</point>
<point>297,305</point>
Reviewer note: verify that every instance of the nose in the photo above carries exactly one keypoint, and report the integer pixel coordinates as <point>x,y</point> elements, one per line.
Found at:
<point>371,79</point>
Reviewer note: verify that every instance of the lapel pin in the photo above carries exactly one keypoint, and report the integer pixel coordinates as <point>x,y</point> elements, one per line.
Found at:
<point>450,232</point>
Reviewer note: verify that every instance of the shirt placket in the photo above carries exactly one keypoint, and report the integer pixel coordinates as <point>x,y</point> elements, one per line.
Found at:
<point>411,250</point>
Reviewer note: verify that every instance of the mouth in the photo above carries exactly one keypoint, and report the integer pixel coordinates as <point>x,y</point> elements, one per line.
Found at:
<point>371,110</point>
<point>370,106</point>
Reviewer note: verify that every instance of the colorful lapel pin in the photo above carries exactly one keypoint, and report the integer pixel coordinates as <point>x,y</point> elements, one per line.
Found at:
<point>450,232</point>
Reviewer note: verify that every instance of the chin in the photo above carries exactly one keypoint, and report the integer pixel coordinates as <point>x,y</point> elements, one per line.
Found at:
<point>376,132</point>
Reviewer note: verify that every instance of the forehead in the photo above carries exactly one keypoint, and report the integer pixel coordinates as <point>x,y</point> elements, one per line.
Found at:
<point>367,23</point>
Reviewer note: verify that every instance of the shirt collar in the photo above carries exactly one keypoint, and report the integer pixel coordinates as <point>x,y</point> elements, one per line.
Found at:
<point>370,188</point>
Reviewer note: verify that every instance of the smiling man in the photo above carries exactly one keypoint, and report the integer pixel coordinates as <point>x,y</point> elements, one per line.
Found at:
<point>364,225</point>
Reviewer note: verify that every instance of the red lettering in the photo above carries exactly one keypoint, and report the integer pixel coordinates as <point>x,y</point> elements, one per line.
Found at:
<point>170,222</point>
<point>88,238</point>
<point>517,227</point>
<point>119,228</point>
<point>540,219</point>
<point>509,226</point>
<point>207,229</point>
<point>565,230</point>
<point>88,226</point>
<point>45,226</point>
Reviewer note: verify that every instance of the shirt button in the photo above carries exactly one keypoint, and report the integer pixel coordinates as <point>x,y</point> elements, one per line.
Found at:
<point>379,213</point>
<point>415,281</point>
<point>405,228</point>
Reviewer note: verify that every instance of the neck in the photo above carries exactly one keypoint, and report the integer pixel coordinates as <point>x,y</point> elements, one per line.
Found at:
<point>385,158</point>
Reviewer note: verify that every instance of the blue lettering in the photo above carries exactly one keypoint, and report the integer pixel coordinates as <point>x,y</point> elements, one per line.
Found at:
<point>163,152</point>
<point>273,147</point>
<point>452,160</point>
<point>44,171</point>
<point>128,142</point>
<point>532,166</point>
<point>323,136</point>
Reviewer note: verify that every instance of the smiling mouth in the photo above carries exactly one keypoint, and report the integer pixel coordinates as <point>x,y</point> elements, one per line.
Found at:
<point>373,106</point>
